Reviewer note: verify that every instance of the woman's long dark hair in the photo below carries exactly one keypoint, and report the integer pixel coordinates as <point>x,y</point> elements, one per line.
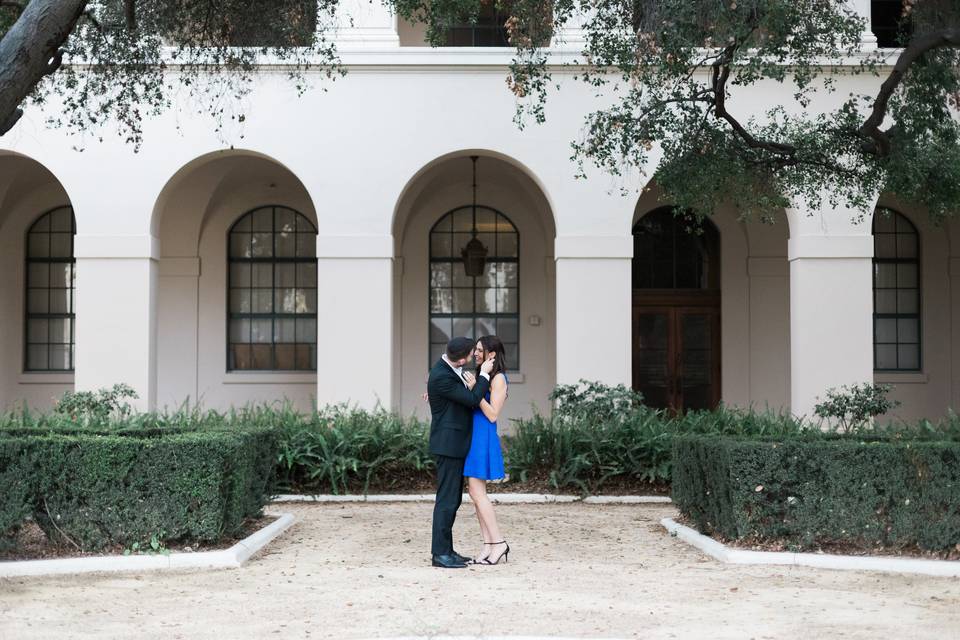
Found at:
<point>493,343</point>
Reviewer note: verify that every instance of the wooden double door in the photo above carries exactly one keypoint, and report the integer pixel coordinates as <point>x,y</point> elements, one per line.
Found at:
<point>676,349</point>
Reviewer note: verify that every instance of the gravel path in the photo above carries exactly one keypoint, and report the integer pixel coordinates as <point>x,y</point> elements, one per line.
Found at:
<point>586,571</point>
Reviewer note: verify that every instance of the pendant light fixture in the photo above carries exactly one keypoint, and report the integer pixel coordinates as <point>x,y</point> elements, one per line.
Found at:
<point>474,254</point>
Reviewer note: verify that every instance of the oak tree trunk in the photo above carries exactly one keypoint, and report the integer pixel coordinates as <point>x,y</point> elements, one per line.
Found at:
<point>31,49</point>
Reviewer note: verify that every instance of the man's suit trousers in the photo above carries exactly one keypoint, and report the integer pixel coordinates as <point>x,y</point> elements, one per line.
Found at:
<point>449,497</point>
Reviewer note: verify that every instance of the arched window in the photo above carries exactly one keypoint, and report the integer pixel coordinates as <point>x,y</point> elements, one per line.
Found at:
<point>272,312</point>
<point>461,305</point>
<point>896,292</point>
<point>668,255</point>
<point>51,279</point>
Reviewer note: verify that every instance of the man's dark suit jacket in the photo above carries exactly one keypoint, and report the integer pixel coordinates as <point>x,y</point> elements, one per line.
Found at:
<point>451,408</point>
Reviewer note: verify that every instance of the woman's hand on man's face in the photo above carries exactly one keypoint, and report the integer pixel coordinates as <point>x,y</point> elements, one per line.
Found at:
<point>487,366</point>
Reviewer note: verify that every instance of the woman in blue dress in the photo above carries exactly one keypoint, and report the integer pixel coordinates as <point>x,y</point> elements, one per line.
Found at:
<point>485,460</point>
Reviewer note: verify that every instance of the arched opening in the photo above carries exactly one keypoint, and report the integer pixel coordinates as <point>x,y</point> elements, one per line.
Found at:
<point>236,292</point>
<point>676,311</point>
<point>511,294</point>
<point>37,229</point>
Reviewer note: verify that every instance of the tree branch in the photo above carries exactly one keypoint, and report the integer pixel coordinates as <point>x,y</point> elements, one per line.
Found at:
<point>918,46</point>
<point>88,14</point>
<point>130,14</point>
<point>32,49</point>
<point>721,73</point>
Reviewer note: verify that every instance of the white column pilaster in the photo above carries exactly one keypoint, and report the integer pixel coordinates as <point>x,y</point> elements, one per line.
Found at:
<point>365,25</point>
<point>867,40</point>
<point>355,320</point>
<point>831,305</point>
<point>116,314</point>
<point>594,309</point>
<point>572,36</point>
<point>178,311</point>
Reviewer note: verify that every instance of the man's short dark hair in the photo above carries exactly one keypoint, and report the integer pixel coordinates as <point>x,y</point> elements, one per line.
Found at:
<point>459,347</point>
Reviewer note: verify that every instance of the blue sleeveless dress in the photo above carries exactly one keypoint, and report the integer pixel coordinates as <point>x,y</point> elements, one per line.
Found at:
<point>485,458</point>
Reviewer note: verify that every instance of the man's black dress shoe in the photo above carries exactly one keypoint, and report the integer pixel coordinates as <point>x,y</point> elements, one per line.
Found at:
<point>463,559</point>
<point>448,562</point>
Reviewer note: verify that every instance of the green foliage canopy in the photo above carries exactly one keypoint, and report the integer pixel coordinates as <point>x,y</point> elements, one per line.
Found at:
<point>681,72</point>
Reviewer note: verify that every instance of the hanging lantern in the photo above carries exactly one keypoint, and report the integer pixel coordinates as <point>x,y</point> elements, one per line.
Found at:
<point>474,258</point>
<point>474,254</point>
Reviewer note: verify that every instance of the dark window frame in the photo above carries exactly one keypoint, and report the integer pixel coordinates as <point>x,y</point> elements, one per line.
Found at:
<point>70,316</point>
<point>887,23</point>
<point>647,261</point>
<point>487,31</point>
<point>273,315</point>
<point>513,348</point>
<point>898,218</point>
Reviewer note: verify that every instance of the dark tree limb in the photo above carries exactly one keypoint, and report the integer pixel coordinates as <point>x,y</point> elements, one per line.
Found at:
<point>92,19</point>
<point>877,141</point>
<point>31,50</point>
<point>721,74</point>
<point>130,14</point>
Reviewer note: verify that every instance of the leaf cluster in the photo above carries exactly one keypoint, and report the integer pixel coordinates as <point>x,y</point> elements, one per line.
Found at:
<point>129,60</point>
<point>683,76</point>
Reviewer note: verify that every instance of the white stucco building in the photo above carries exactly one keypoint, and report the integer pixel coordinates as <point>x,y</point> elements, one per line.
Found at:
<point>318,259</point>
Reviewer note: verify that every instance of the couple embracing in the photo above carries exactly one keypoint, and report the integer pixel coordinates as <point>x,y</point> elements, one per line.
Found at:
<point>463,440</point>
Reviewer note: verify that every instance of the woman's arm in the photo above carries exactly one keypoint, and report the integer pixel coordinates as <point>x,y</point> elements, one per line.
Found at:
<point>498,395</point>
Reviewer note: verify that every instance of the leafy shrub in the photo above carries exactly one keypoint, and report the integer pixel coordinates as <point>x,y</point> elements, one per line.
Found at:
<point>599,433</point>
<point>853,407</point>
<point>821,489</point>
<point>343,448</point>
<point>587,402</point>
<point>89,407</point>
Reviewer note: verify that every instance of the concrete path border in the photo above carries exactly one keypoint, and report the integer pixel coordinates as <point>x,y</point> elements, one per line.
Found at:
<point>231,558</point>
<point>723,553</point>
<point>483,638</point>
<point>497,498</point>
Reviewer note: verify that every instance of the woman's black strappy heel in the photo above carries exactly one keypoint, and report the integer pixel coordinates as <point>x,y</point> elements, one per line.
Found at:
<point>505,556</point>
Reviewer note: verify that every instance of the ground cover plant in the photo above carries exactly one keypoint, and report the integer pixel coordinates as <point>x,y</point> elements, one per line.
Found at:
<point>600,435</point>
<point>340,449</point>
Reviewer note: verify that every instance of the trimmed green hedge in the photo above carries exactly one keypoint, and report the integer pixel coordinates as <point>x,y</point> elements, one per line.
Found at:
<point>105,489</point>
<point>818,490</point>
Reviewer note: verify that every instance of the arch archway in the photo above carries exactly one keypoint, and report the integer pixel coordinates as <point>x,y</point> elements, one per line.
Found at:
<point>517,300</point>
<point>35,365</point>
<point>196,304</point>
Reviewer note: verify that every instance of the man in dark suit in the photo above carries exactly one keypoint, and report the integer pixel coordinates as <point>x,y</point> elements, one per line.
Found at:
<point>451,427</point>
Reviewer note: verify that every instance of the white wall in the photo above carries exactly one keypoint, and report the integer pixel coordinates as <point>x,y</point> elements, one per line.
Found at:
<point>353,158</point>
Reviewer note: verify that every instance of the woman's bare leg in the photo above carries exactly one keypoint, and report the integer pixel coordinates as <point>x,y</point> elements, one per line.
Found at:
<point>477,490</point>
<point>486,516</point>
